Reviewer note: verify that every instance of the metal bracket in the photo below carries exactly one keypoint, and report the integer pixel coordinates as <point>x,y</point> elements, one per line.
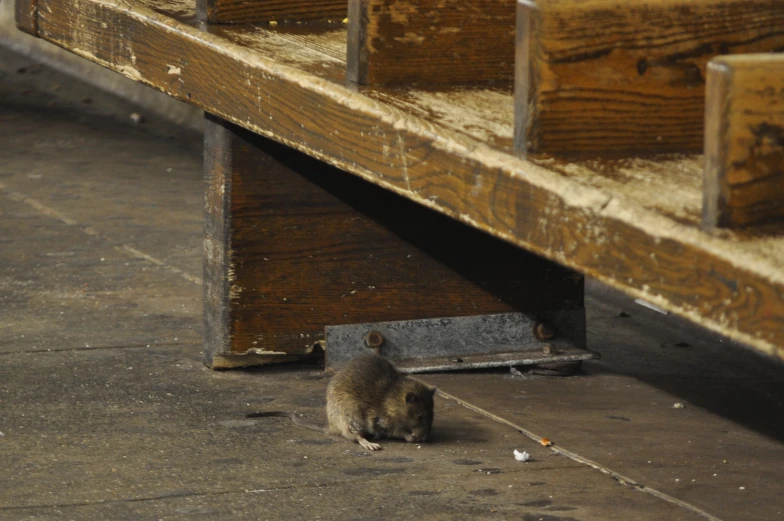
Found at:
<point>454,343</point>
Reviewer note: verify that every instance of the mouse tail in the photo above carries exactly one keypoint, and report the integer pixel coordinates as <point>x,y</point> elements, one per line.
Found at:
<point>298,420</point>
<point>302,422</point>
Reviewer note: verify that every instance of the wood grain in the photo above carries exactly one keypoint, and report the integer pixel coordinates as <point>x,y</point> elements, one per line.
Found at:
<point>744,141</point>
<point>733,285</point>
<point>26,14</point>
<point>394,42</point>
<point>258,11</point>
<point>293,245</point>
<point>628,76</point>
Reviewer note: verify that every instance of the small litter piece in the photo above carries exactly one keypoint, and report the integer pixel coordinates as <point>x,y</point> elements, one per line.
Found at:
<point>544,442</point>
<point>137,118</point>
<point>678,405</point>
<point>521,456</point>
<point>514,371</point>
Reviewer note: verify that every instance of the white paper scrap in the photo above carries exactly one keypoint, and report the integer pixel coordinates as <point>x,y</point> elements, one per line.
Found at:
<point>521,456</point>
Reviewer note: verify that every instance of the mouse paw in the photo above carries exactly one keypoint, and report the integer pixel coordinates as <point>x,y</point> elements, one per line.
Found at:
<point>369,445</point>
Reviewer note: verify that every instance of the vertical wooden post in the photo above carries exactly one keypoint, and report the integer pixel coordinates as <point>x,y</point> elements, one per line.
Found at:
<point>293,245</point>
<point>218,160</point>
<point>26,13</point>
<point>398,42</point>
<point>526,75</point>
<point>744,141</point>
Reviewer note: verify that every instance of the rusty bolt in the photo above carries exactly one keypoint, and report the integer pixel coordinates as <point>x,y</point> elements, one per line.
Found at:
<point>374,339</point>
<point>549,349</point>
<point>543,331</point>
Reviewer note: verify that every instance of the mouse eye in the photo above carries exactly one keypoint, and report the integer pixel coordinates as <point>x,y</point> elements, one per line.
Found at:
<point>419,417</point>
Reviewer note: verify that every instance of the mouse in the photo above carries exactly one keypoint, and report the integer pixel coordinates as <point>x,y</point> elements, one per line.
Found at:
<point>370,400</point>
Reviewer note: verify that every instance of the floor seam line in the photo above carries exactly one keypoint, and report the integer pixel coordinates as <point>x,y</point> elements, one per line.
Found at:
<point>624,480</point>
<point>97,348</point>
<point>89,230</point>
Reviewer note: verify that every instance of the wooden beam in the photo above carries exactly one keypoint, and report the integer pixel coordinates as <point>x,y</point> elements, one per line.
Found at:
<point>258,11</point>
<point>293,244</point>
<point>608,76</point>
<point>394,42</point>
<point>26,13</point>
<point>744,141</point>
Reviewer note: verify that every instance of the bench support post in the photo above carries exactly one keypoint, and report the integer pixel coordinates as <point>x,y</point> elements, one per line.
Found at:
<point>293,245</point>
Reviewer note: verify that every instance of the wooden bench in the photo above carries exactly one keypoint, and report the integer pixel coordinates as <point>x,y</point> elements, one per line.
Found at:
<point>377,160</point>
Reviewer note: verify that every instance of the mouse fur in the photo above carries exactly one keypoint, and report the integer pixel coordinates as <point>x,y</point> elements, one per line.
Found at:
<point>370,400</point>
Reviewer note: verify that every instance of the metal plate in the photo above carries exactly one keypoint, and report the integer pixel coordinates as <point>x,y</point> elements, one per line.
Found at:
<point>452,343</point>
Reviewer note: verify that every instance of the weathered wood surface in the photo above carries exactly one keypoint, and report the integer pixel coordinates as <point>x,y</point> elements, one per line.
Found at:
<point>256,11</point>
<point>430,41</point>
<point>294,244</point>
<point>26,15</point>
<point>599,75</point>
<point>732,283</point>
<point>744,141</point>
<point>483,112</point>
<point>217,262</point>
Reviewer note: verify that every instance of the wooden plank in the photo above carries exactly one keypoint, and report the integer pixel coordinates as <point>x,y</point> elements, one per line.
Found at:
<point>744,141</point>
<point>608,76</point>
<point>430,41</point>
<point>728,285</point>
<point>26,13</point>
<point>257,11</point>
<point>293,245</point>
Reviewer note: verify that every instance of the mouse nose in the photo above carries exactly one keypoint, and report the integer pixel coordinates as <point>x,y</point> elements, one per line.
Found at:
<point>413,438</point>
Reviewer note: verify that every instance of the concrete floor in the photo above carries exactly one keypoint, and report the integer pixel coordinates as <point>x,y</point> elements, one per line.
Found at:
<point>106,411</point>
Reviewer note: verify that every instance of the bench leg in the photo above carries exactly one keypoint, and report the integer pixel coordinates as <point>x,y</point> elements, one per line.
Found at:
<point>293,245</point>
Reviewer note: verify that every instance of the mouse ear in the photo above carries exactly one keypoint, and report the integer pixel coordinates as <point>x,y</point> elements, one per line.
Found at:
<point>433,391</point>
<point>411,398</point>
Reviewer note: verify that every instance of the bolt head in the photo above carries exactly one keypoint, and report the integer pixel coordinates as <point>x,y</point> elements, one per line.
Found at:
<point>544,331</point>
<point>374,339</point>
